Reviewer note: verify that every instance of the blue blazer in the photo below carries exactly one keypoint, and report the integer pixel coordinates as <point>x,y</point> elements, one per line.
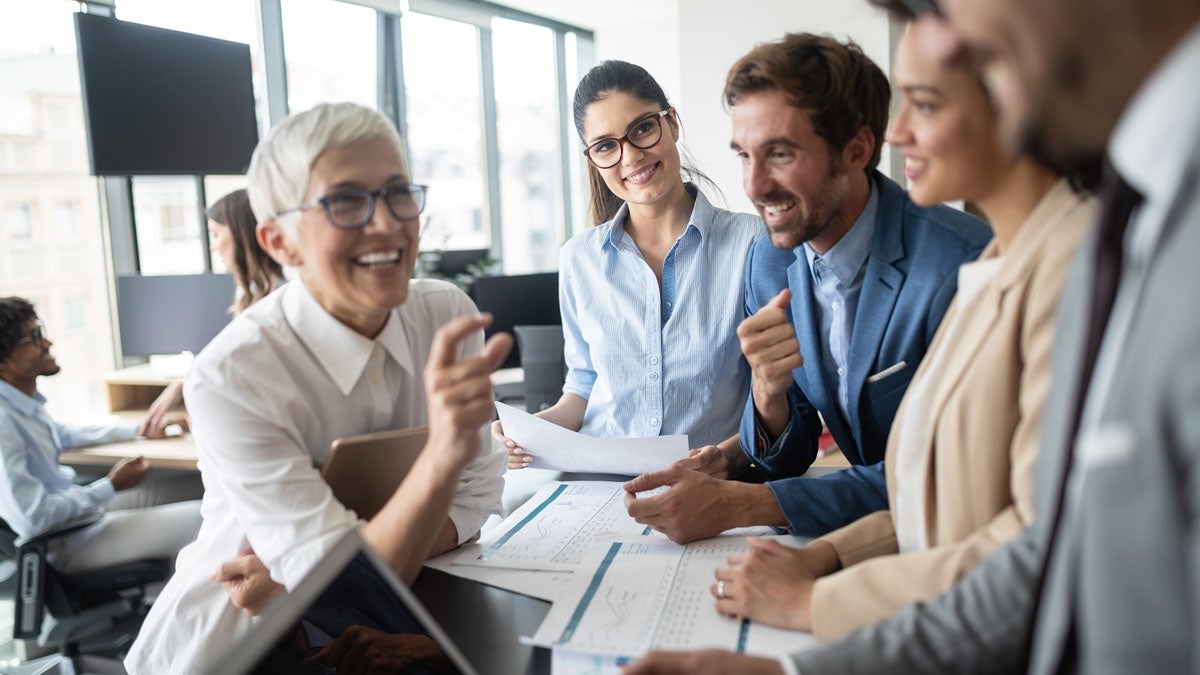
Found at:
<point>911,277</point>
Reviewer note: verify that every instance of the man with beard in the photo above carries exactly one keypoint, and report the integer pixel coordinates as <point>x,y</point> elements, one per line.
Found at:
<point>38,494</point>
<point>843,297</point>
<point>1105,580</point>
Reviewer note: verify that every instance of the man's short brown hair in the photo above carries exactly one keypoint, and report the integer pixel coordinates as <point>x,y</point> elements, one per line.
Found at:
<point>835,82</point>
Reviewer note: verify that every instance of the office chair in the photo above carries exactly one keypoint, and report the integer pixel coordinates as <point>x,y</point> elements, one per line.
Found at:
<point>542,360</point>
<point>94,612</point>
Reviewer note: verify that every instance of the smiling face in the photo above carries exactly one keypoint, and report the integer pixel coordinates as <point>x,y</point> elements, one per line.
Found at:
<point>797,182</point>
<point>29,360</point>
<point>644,175</point>
<point>360,275</point>
<point>944,125</point>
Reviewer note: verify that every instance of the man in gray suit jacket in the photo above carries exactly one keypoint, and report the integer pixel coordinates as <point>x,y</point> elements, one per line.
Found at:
<point>1107,579</point>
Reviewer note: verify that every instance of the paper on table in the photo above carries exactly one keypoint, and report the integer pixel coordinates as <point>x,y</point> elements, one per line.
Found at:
<point>552,530</point>
<point>643,595</point>
<point>554,447</point>
<point>540,584</point>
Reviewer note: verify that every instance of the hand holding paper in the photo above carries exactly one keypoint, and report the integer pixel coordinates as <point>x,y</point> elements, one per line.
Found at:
<point>554,447</point>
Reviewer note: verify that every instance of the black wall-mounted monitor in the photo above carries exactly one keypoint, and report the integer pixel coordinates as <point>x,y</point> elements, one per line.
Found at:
<point>172,314</point>
<point>164,102</point>
<point>518,300</point>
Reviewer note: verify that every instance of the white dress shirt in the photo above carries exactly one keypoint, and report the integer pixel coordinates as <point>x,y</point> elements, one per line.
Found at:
<point>267,397</point>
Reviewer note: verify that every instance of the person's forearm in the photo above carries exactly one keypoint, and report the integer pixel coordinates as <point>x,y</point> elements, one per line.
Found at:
<point>735,460</point>
<point>446,539</point>
<point>756,505</point>
<point>773,412</point>
<point>413,520</point>
<point>567,413</point>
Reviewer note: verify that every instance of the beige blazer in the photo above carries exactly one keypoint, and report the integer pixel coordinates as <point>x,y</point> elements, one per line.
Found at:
<point>985,414</point>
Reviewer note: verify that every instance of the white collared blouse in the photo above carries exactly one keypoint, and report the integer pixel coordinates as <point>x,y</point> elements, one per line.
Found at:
<point>267,397</point>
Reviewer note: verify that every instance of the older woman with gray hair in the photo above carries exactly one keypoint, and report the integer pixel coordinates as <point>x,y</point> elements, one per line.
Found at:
<point>353,345</point>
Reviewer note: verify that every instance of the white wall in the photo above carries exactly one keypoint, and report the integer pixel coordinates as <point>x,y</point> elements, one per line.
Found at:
<point>713,34</point>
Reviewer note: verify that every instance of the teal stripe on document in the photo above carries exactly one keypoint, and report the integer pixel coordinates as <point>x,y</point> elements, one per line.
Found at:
<point>743,635</point>
<point>524,521</point>
<point>586,600</point>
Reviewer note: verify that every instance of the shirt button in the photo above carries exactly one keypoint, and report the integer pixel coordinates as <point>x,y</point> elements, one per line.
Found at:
<point>654,421</point>
<point>841,371</point>
<point>653,360</point>
<point>836,305</point>
<point>668,305</point>
<point>653,376</point>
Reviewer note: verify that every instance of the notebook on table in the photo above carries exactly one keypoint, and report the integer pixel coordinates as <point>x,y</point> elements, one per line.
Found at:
<point>364,471</point>
<point>349,603</point>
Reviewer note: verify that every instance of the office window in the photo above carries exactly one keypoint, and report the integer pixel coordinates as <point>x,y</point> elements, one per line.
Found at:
<point>330,52</point>
<point>20,224</point>
<point>75,313</point>
<point>66,222</point>
<point>530,165</point>
<point>445,129</point>
<point>167,220</point>
<point>43,169</point>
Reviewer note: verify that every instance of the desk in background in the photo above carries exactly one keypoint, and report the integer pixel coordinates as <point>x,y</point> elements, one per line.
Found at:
<point>178,453</point>
<point>130,393</point>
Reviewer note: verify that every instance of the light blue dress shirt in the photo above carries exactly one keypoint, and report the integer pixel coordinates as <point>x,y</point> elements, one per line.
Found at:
<point>837,283</point>
<point>657,361</point>
<point>36,492</point>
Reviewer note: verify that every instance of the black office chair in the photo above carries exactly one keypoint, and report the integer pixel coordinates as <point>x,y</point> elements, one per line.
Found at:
<point>96,613</point>
<point>542,360</point>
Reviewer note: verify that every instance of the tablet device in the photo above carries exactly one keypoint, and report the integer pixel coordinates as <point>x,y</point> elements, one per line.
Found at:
<point>364,471</point>
<point>350,605</point>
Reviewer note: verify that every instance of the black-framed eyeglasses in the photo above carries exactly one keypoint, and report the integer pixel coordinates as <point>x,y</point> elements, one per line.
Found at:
<point>643,134</point>
<point>353,208</point>
<point>35,336</point>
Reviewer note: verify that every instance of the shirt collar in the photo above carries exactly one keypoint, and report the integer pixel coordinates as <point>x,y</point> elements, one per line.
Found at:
<point>1157,133</point>
<point>26,405</point>
<point>847,256</point>
<point>342,352</point>
<point>700,219</point>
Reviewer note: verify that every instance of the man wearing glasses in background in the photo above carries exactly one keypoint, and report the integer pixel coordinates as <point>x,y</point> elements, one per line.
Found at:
<point>38,494</point>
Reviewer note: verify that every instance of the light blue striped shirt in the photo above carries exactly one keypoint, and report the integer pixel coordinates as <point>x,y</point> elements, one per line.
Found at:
<point>36,492</point>
<point>837,283</point>
<point>651,361</point>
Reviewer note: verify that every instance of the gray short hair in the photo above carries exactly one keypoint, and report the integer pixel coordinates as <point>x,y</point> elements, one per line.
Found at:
<point>279,169</point>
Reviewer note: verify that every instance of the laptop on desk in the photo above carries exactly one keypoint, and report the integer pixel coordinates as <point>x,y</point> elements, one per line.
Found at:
<point>350,601</point>
<point>364,471</point>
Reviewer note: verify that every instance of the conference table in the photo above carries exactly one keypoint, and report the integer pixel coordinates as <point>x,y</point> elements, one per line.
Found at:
<point>486,622</point>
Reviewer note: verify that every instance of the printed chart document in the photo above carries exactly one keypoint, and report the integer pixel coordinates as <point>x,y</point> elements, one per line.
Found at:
<point>643,595</point>
<point>554,447</point>
<point>552,530</point>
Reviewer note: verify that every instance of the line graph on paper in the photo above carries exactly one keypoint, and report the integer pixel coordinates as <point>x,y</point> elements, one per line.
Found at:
<point>552,530</point>
<point>643,595</point>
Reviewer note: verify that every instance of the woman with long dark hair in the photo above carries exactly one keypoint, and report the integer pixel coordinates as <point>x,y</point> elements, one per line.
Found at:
<point>651,297</point>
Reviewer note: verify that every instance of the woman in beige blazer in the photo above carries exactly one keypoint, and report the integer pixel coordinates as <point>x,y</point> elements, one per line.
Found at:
<point>960,455</point>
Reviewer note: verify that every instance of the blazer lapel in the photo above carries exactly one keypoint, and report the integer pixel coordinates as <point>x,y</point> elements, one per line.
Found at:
<point>810,377</point>
<point>881,287</point>
<point>972,330</point>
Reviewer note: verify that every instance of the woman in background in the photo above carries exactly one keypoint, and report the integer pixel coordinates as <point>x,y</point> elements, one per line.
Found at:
<point>231,234</point>
<point>652,296</point>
